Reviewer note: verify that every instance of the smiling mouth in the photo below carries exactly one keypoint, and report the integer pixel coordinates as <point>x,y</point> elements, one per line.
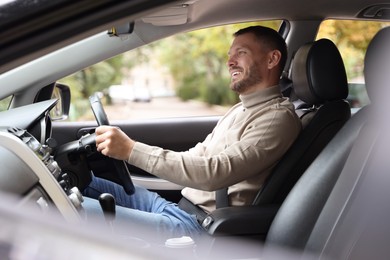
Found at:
<point>235,75</point>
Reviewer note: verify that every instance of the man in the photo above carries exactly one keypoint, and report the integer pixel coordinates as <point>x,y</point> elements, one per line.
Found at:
<point>239,154</point>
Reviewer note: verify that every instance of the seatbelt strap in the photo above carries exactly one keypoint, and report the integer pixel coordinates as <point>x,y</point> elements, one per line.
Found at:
<point>192,209</point>
<point>221,198</point>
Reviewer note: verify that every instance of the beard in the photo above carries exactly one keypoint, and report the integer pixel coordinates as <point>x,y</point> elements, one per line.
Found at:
<point>250,79</point>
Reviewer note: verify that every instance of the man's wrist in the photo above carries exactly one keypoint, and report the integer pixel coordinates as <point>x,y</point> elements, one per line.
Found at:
<point>131,146</point>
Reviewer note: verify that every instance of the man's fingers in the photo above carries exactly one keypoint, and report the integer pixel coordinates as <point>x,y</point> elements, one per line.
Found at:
<point>112,142</point>
<point>105,128</point>
<point>101,134</point>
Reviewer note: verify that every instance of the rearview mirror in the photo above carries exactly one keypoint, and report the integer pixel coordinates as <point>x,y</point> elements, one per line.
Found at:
<point>61,109</point>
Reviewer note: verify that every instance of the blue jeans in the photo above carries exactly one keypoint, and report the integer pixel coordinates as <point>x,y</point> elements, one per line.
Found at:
<point>144,214</point>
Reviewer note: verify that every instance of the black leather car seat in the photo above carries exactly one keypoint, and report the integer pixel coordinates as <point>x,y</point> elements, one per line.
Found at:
<point>319,80</point>
<point>339,207</point>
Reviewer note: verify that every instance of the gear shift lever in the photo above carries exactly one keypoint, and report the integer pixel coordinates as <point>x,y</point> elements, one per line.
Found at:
<point>107,202</point>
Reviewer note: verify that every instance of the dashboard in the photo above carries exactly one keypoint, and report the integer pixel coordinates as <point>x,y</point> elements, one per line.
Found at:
<point>29,170</point>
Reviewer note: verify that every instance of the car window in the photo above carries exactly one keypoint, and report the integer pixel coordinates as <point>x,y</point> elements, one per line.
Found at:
<point>180,76</point>
<point>352,44</point>
<point>5,103</point>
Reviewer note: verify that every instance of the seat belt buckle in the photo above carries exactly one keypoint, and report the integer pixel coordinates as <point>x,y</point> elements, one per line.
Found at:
<point>207,222</point>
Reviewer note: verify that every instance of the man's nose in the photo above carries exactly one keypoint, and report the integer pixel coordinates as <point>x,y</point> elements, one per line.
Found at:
<point>231,61</point>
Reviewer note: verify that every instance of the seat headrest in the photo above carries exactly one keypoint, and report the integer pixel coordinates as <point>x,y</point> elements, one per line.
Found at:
<point>377,67</point>
<point>318,73</point>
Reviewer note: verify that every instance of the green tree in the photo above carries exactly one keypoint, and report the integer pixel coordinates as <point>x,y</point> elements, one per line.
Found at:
<point>350,41</point>
<point>95,78</point>
<point>89,80</point>
<point>197,61</point>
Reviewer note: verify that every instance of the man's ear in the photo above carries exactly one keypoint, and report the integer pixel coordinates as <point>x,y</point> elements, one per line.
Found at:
<point>274,57</point>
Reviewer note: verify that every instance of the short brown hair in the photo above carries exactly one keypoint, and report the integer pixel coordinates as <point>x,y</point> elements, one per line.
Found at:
<point>270,38</point>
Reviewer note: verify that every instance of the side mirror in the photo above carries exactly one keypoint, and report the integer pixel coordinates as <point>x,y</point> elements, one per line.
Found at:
<point>61,109</point>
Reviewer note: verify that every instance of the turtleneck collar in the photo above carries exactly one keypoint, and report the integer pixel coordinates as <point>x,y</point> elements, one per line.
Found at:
<point>260,96</point>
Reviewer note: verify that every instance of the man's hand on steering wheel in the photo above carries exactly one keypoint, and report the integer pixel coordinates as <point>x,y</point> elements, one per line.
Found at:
<point>113,142</point>
<point>112,146</point>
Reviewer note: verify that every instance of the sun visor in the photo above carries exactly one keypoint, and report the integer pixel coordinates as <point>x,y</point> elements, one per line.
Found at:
<point>174,15</point>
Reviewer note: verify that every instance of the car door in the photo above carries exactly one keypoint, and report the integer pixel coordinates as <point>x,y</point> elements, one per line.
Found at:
<point>177,134</point>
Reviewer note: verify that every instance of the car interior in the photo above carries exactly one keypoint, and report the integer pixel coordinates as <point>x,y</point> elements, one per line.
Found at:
<point>325,198</point>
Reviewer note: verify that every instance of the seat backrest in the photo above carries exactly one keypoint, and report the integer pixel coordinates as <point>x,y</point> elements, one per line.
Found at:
<point>322,213</point>
<point>320,82</point>
<point>309,195</point>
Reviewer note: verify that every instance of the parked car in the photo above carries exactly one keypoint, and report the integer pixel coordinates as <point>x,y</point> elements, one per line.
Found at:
<point>125,93</point>
<point>46,160</point>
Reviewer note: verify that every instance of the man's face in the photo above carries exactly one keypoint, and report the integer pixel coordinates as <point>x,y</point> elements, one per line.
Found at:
<point>246,63</point>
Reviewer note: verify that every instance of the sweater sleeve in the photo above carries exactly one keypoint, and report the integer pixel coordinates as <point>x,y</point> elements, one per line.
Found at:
<point>261,143</point>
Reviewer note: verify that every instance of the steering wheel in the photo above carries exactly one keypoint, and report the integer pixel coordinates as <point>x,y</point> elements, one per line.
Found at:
<point>120,166</point>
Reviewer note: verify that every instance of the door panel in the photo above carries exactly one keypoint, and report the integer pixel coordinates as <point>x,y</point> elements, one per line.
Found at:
<point>177,134</point>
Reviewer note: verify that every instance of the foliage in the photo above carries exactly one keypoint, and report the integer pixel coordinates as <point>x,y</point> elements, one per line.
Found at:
<point>90,80</point>
<point>189,89</point>
<point>4,103</point>
<point>217,93</point>
<point>351,42</point>
<point>95,78</point>
<point>201,55</point>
